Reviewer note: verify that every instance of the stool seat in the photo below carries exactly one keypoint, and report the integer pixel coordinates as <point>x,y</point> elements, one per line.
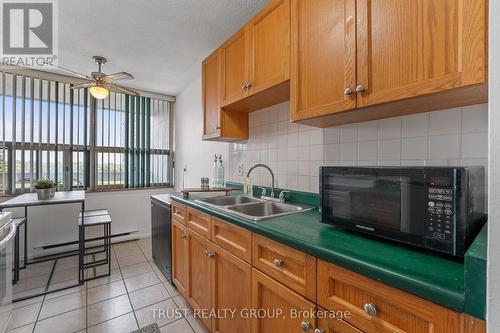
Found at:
<point>94,220</point>
<point>94,212</point>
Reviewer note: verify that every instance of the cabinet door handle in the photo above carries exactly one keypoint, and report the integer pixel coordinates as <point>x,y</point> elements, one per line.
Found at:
<point>244,86</point>
<point>370,309</point>
<point>209,254</point>
<point>348,91</point>
<point>305,326</point>
<point>184,236</point>
<point>278,263</point>
<point>248,85</point>
<point>360,88</point>
<point>217,127</point>
<point>319,330</point>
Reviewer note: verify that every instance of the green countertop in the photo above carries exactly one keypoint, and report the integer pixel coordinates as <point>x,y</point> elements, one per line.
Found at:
<point>437,279</point>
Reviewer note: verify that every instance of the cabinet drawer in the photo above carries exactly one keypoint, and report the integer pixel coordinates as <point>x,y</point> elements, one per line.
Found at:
<point>199,222</point>
<point>232,238</point>
<point>334,325</point>
<point>378,308</point>
<point>179,212</point>
<point>291,267</point>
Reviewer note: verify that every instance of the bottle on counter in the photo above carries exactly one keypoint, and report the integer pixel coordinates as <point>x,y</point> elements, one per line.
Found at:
<point>220,173</point>
<point>215,181</point>
<point>247,186</point>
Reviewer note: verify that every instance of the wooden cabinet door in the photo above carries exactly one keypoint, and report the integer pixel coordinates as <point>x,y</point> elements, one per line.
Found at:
<point>180,260</point>
<point>234,69</point>
<point>211,95</point>
<point>323,57</point>
<point>269,33</point>
<point>269,296</point>
<point>407,48</point>
<point>334,325</point>
<point>200,272</point>
<point>231,289</point>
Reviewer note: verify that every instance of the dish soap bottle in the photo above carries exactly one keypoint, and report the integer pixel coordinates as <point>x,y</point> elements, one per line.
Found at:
<point>220,173</point>
<point>215,181</point>
<point>247,186</point>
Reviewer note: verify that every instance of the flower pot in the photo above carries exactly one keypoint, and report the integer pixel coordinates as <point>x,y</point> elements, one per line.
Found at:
<point>52,191</point>
<point>43,193</point>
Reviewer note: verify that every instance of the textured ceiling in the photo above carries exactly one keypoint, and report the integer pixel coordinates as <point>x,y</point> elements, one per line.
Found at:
<point>160,42</point>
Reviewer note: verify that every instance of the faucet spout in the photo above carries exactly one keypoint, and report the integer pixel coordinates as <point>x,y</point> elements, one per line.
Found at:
<point>270,171</point>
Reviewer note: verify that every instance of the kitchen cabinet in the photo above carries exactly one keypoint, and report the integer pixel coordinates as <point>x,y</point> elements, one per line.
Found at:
<point>323,73</point>
<point>199,293</point>
<point>378,308</point>
<point>282,309</point>
<point>231,289</point>
<point>352,57</point>
<point>179,257</point>
<point>230,267</point>
<point>293,268</point>
<point>255,61</point>
<point>269,37</point>
<point>217,123</point>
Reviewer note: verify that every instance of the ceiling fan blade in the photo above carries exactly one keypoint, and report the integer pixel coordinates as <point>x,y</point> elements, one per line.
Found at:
<point>118,77</point>
<point>122,90</point>
<point>72,72</point>
<point>84,85</point>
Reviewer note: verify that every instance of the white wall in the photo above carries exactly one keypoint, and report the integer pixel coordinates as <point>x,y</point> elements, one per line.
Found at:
<point>294,152</point>
<point>190,150</point>
<point>493,306</point>
<point>129,210</point>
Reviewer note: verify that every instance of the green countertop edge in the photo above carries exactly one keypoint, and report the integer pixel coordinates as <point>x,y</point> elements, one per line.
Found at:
<point>442,281</point>
<point>475,276</point>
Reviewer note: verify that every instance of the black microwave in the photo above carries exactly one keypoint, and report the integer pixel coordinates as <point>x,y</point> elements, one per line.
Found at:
<point>438,208</point>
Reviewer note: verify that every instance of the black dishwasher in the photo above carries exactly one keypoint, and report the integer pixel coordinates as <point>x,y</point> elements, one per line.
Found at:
<point>161,233</point>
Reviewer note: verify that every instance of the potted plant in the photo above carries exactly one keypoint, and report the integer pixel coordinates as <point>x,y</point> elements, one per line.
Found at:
<point>43,188</point>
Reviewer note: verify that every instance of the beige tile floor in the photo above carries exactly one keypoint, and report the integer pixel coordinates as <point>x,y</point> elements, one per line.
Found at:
<point>131,297</point>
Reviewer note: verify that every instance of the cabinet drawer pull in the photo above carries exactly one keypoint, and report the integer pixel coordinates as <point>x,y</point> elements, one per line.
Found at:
<point>360,88</point>
<point>348,91</point>
<point>319,330</point>
<point>278,263</point>
<point>209,254</point>
<point>184,236</point>
<point>370,309</point>
<point>305,326</point>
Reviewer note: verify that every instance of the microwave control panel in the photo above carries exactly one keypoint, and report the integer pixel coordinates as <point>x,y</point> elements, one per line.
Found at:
<point>440,214</point>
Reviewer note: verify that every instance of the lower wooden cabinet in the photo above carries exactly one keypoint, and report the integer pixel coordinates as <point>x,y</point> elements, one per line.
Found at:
<point>199,293</point>
<point>334,325</point>
<point>269,298</point>
<point>279,309</point>
<point>231,289</point>
<point>180,263</point>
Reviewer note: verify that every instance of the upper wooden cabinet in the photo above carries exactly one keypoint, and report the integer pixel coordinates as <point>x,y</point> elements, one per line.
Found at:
<point>414,47</point>
<point>218,124</point>
<point>323,57</point>
<point>269,47</point>
<point>351,57</point>
<point>235,58</point>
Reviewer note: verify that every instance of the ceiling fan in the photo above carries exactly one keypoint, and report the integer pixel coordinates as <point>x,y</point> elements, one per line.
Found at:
<point>100,84</point>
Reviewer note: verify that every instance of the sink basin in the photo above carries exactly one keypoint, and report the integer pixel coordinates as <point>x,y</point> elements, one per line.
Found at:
<point>265,209</point>
<point>229,200</point>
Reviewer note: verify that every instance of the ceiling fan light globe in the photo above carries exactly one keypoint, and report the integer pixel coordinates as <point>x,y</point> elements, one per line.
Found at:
<point>99,92</point>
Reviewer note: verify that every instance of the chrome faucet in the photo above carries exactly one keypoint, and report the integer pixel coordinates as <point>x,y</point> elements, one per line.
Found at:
<point>272,177</point>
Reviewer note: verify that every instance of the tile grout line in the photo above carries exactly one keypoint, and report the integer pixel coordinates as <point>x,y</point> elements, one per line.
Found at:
<point>126,289</point>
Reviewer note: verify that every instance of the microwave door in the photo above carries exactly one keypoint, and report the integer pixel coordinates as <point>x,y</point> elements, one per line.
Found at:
<point>340,203</point>
<point>405,206</point>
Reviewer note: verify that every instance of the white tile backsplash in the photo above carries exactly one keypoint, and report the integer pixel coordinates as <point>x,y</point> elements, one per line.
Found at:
<point>295,152</point>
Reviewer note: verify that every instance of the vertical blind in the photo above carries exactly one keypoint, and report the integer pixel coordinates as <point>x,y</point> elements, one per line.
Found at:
<point>54,132</point>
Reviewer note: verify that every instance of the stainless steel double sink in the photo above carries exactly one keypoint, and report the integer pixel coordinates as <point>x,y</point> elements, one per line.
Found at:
<point>252,208</point>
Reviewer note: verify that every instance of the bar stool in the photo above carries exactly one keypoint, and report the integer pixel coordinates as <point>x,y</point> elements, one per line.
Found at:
<point>18,222</point>
<point>92,218</point>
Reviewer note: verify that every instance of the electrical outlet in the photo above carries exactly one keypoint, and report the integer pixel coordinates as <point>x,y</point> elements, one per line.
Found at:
<point>240,169</point>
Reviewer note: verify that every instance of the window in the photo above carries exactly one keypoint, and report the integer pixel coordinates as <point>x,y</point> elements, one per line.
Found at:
<point>49,130</point>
